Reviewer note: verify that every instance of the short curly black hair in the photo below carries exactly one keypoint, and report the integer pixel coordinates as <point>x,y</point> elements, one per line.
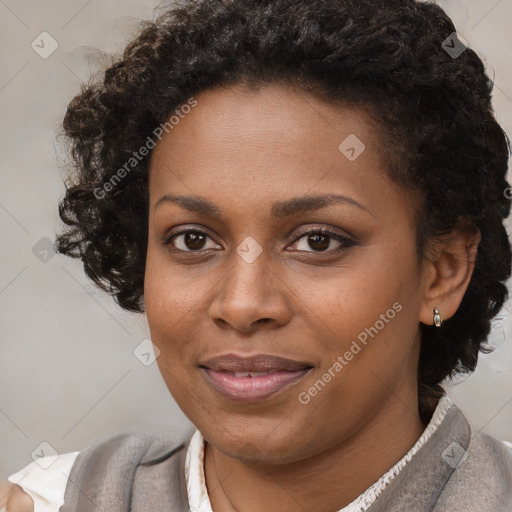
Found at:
<point>391,58</point>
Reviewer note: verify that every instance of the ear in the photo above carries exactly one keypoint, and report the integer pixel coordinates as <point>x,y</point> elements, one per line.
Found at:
<point>449,270</point>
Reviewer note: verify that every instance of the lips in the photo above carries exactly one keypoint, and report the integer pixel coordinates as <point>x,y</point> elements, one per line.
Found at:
<point>253,378</point>
<point>257,363</point>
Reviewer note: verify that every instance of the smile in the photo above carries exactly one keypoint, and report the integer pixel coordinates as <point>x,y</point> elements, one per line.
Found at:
<point>252,379</point>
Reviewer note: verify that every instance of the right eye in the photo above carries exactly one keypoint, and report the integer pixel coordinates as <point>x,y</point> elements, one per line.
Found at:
<point>190,240</point>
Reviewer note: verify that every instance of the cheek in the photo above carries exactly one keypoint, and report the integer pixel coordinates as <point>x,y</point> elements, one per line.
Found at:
<point>170,292</point>
<point>169,304</point>
<point>368,331</point>
<point>361,293</point>
<point>370,315</point>
<point>169,309</point>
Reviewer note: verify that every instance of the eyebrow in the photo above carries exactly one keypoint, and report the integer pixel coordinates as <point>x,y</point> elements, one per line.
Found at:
<point>279,210</point>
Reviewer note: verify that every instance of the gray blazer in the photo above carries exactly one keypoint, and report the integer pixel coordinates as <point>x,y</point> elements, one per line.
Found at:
<point>144,471</point>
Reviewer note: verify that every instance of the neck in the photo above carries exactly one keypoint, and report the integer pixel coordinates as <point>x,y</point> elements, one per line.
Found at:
<point>325,482</point>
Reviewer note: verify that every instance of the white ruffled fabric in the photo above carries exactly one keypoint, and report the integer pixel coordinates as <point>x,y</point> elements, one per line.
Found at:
<point>46,486</point>
<point>198,493</point>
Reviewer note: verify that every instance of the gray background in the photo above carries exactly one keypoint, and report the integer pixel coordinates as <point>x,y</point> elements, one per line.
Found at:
<point>68,374</point>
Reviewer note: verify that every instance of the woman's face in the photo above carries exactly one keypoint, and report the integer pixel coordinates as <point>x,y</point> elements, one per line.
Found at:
<point>282,285</point>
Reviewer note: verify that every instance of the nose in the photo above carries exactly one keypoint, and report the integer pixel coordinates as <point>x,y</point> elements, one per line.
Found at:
<point>251,295</point>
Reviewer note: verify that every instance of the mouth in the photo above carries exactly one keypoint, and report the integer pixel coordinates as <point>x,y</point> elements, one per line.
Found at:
<point>252,379</point>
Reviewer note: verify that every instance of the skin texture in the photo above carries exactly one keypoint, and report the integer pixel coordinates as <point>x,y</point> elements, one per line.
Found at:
<point>14,499</point>
<point>243,151</point>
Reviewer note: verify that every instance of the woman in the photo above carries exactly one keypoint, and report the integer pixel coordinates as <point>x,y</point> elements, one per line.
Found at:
<point>306,199</point>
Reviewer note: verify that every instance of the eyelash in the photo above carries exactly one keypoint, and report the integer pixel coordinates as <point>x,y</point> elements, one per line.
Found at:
<point>345,241</point>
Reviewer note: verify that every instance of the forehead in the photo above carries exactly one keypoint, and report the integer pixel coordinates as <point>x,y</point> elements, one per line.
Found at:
<point>271,108</point>
<point>272,129</point>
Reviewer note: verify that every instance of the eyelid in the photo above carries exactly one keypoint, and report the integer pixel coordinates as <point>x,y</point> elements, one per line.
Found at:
<point>329,230</point>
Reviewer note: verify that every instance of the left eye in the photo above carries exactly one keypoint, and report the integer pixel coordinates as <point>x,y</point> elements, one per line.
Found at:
<point>321,240</point>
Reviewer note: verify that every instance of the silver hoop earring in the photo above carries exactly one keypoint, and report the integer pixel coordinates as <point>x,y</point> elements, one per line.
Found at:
<point>438,319</point>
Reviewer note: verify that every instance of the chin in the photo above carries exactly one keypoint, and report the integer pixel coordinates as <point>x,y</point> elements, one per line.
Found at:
<point>257,443</point>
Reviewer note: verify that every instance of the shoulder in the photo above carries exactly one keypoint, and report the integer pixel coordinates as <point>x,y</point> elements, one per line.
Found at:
<point>482,479</point>
<point>46,479</point>
<point>129,468</point>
